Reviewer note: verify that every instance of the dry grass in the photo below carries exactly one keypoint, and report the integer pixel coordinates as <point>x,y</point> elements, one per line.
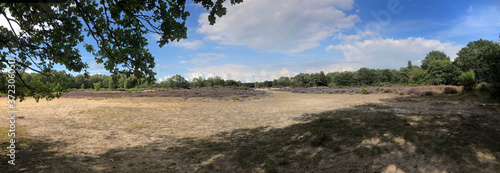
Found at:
<point>365,133</point>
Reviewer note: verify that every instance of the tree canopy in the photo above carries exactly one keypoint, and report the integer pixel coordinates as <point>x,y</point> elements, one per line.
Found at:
<point>433,55</point>
<point>49,33</point>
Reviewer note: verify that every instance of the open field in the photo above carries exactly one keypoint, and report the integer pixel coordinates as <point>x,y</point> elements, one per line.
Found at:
<point>275,132</point>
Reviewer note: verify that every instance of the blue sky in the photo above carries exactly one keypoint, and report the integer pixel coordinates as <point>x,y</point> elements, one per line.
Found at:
<point>263,40</point>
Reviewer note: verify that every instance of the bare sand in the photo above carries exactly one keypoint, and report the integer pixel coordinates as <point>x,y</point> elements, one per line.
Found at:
<point>94,125</point>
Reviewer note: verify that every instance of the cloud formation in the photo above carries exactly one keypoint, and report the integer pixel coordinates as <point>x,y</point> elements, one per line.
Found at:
<point>195,44</point>
<point>392,53</point>
<point>286,26</point>
<point>243,73</point>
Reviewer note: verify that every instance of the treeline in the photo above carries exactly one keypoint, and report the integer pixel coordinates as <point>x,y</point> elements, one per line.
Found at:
<point>479,61</point>
<point>131,82</point>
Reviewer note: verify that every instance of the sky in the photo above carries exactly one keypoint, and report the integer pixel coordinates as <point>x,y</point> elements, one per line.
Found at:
<point>263,40</point>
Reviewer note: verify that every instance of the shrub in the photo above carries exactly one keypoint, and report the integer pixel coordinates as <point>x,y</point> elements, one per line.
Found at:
<point>83,86</point>
<point>468,80</point>
<point>235,98</point>
<point>429,93</point>
<point>120,89</point>
<point>364,91</point>
<point>97,86</point>
<point>450,90</point>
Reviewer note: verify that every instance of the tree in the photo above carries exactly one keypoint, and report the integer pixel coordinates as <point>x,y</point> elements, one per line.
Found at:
<point>468,80</point>
<point>179,82</point>
<point>418,76</point>
<point>365,76</point>
<point>111,85</point>
<point>52,32</point>
<point>198,82</point>
<point>441,72</point>
<point>344,78</point>
<point>432,56</point>
<point>97,86</point>
<point>472,57</point>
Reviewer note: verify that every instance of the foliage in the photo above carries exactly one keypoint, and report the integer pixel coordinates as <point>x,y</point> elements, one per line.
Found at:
<point>50,33</point>
<point>441,72</point>
<point>468,80</point>
<point>364,91</point>
<point>97,86</point>
<point>450,90</point>
<point>365,76</point>
<point>432,56</point>
<point>476,56</point>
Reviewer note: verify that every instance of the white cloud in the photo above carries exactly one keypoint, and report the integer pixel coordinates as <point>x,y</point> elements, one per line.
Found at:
<point>476,24</point>
<point>156,37</point>
<point>470,10</point>
<point>195,44</point>
<point>390,53</point>
<point>237,72</point>
<point>164,78</point>
<point>5,23</point>
<point>336,67</point>
<point>204,58</point>
<point>188,44</point>
<point>95,66</point>
<point>286,26</point>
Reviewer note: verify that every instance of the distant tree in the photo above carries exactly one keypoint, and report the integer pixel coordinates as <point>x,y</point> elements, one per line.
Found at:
<point>441,72</point>
<point>409,64</point>
<point>283,82</point>
<point>49,34</point>
<point>432,56</point>
<point>365,76</point>
<point>179,82</point>
<point>323,80</point>
<point>111,85</point>
<point>97,86</point>
<point>299,80</point>
<point>198,82</point>
<point>330,78</point>
<point>230,82</point>
<point>396,77</point>
<point>405,75</point>
<point>218,81</point>
<point>468,80</point>
<point>473,57</point>
<point>384,75</point>
<point>418,76</point>
<point>344,78</point>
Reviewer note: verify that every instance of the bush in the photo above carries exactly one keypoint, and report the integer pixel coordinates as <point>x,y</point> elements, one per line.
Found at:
<point>235,98</point>
<point>83,86</point>
<point>388,90</point>
<point>450,90</point>
<point>120,89</point>
<point>429,93</point>
<point>468,80</point>
<point>364,91</point>
<point>97,86</point>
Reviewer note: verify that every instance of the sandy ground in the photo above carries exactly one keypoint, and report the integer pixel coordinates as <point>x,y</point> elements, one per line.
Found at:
<point>94,125</point>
